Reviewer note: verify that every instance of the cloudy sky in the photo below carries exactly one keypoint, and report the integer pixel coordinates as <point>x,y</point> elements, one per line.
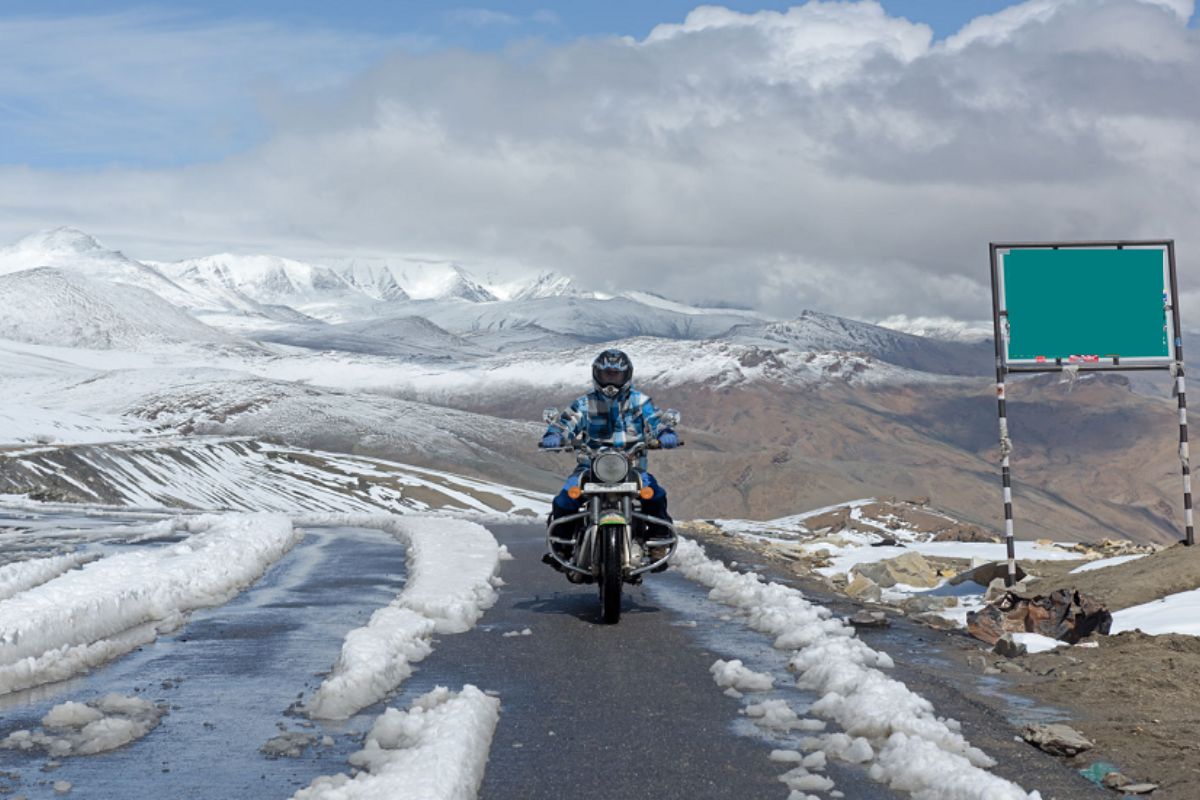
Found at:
<point>853,157</point>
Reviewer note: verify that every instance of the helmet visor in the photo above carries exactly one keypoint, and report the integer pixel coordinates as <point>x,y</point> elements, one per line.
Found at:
<point>610,376</point>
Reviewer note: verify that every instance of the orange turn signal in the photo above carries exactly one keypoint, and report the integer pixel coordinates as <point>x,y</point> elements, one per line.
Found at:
<point>646,493</point>
<point>574,493</point>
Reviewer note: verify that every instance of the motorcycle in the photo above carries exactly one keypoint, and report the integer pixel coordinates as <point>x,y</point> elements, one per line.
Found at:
<point>614,546</point>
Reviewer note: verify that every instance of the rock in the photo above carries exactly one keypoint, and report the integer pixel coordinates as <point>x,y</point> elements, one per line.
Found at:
<point>288,745</point>
<point>965,533</point>
<point>1115,780</point>
<point>1057,739</point>
<point>1139,788</point>
<point>1008,647</point>
<point>984,574</point>
<point>870,619</point>
<point>864,589</point>
<point>936,621</point>
<point>924,603</point>
<point>830,521</point>
<point>1066,615</point>
<point>910,569</point>
<point>994,590</point>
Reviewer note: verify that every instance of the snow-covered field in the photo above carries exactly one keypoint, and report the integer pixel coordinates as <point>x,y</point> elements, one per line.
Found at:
<point>844,550</point>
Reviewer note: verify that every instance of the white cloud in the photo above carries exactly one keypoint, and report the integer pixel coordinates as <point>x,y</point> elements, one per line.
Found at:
<point>826,157</point>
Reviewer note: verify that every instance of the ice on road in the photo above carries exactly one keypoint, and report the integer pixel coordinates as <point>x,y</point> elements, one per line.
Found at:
<point>87,616</point>
<point>452,568</point>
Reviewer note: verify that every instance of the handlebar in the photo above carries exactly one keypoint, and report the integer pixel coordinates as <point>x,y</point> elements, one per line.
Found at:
<point>637,448</point>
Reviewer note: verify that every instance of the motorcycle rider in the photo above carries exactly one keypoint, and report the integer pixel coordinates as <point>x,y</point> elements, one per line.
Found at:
<point>613,411</point>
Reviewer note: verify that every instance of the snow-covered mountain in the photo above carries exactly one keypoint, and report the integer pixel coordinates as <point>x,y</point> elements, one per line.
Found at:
<point>812,331</point>
<point>249,282</point>
<point>546,284</point>
<point>73,250</point>
<point>585,318</point>
<point>64,308</point>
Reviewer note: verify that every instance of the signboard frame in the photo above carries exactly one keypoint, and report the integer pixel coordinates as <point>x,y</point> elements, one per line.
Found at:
<point>1173,363</point>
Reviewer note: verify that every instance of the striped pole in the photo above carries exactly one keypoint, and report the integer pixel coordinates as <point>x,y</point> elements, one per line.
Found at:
<point>1000,334</point>
<point>1189,535</point>
<point>1006,477</point>
<point>1181,392</point>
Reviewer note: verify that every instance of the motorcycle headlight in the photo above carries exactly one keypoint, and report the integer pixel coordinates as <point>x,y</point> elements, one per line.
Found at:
<point>610,468</point>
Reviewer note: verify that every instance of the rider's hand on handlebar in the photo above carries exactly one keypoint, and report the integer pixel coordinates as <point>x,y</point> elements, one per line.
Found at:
<point>668,439</point>
<point>551,441</point>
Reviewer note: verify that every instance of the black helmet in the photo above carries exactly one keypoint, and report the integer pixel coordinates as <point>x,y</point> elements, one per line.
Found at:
<point>612,373</point>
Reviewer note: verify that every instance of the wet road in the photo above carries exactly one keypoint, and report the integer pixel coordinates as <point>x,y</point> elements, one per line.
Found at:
<point>588,711</point>
<point>229,677</point>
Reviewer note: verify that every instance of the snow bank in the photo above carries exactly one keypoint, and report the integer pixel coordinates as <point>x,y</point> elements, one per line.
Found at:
<point>452,566</point>
<point>88,728</point>
<point>1036,642</point>
<point>735,675</point>
<point>916,750</point>
<point>87,616</point>
<point>1175,613</point>
<point>22,575</point>
<point>437,750</point>
<point>375,659</point>
<point>1107,562</point>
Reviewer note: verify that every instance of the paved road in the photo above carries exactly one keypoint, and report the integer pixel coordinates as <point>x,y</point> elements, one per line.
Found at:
<point>592,711</point>
<point>228,677</point>
<point>589,711</point>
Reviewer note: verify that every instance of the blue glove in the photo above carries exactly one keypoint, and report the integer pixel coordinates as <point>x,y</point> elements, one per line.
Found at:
<point>668,439</point>
<point>551,440</point>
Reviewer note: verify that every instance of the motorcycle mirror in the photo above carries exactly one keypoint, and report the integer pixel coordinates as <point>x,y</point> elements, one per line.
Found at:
<point>549,415</point>
<point>670,417</point>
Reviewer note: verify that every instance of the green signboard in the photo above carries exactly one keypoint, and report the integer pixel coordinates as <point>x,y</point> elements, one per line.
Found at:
<point>1084,305</point>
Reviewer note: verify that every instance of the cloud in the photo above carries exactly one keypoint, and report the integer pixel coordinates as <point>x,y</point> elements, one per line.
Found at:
<point>826,157</point>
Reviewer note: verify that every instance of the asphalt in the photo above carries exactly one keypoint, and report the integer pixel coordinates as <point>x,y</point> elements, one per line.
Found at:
<point>593,711</point>
<point>588,710</point>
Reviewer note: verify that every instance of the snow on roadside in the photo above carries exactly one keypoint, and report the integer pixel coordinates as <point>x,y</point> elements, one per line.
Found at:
<point>736,675</point>
<point>20,576</point>
<point>87,616</point>
<point>1175,613</point>
<point>437,750</point>
<point>452,570</point>
<point>85,729</point>
<point>1107,562</point>
<point>914,749</point>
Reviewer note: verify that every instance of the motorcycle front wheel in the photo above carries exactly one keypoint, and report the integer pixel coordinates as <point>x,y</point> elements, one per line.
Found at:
<point>610,576</point>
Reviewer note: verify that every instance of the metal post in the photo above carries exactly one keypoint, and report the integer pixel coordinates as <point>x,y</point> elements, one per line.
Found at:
<point>1005,442</point>
<point>1181,392</point>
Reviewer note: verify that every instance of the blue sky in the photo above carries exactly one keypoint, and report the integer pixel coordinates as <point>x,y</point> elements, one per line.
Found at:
<point>734,153</point>
<point>56,112</point>
<point>424,17</point>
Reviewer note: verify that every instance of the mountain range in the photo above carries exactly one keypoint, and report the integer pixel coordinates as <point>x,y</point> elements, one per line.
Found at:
<point>423,362</point>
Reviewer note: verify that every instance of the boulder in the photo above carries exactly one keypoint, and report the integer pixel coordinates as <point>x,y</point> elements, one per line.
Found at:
<point>925,603</point>
<point>1008,647</point>
<point>870,619</point>
<point>986,572</point>
<point>1057,739</point>
<point>864,589</point>
<point>910,569</point>
<point>1064,614</point>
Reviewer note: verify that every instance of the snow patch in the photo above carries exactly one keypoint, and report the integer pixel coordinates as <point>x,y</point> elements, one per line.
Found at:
<point>735,675</point>
<point>23,575</point>
<point>86,616</point>
<point>437,750</point>
<point>845,673</point>
<point>1175,613</point>
<point>451,567</point>
<point>84,729</point>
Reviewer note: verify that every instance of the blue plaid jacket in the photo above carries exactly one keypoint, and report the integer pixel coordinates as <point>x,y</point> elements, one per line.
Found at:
<point>625,420</point>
